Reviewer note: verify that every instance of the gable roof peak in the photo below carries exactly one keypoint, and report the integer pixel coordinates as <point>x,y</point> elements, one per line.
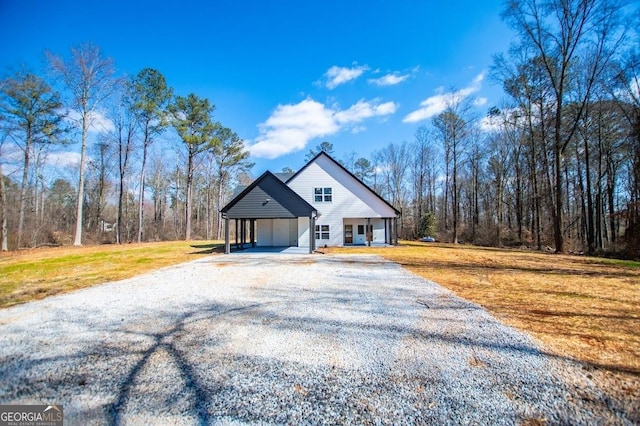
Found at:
<point>337,163</point>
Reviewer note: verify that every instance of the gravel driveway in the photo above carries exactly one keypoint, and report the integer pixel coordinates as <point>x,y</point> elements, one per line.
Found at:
<point>263,339</point>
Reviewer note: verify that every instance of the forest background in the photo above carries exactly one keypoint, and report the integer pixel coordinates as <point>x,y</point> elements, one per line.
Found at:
<point>556,167</point>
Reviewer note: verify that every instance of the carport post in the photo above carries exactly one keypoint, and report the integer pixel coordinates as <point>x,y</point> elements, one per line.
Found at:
<point>252,232</point>
<point>369,232</point>
<point>237,231</point>
<point>386,233</point>
<point>312,233</point>
<point>243,232</point>
<point>395,231</point>
<point>227,244</point>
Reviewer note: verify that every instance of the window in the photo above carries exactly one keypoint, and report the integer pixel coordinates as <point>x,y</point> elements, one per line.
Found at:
<point>322,195</point>
<point>322,232</point>
<point>360,229</point>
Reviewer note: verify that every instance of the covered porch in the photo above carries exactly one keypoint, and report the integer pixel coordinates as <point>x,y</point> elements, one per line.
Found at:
<point>370,231</point>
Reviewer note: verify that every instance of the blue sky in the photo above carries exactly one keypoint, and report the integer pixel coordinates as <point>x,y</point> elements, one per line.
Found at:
<point>285,75</point>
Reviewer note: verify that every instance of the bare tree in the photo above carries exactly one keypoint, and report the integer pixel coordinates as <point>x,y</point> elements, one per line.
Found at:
<point>89,79</point>
<point>422,175</point>
<point>392,161</point>
<point>625,88</point>
<point>453,131</point>
<point>124,125</point>
<point>4,231</point>
<point>557,32</point>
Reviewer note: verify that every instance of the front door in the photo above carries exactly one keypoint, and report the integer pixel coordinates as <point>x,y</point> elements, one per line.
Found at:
<point>348,234</point>
<point>359,237</point>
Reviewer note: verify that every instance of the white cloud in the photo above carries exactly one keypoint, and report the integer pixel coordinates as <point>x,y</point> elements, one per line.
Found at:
<point>389,79</point>
<point>481,101</point>
<point>292,126</point>
<point>508,117</point>
<point>64,159</point>
<point>437,103</point>
<point>99,123</point>
<point>490,124</point>
<point>339,75</point>
<point>365,109</point>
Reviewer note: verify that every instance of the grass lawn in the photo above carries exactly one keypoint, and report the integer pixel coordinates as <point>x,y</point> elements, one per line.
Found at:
<point>582,307</point>
<point>37,273</point>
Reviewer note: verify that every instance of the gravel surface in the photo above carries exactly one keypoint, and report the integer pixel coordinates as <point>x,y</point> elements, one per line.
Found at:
<point>285,339</point>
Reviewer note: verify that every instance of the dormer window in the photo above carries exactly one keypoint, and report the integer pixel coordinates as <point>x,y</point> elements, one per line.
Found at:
<point>321,195</point>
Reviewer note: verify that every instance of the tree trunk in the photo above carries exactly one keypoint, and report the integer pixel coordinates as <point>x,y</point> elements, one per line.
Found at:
<point>220,201</point>
<point>188,198</point>
<point>141,196</point>
<point>591,246</point>
<point>446,190</point>
<point>23,187</point>
<point>455,198</point>
<point>557,217</point>
<point>121,173</point>
<point>4,234</point>
<point>476,202</point>
<point>101,191</point>
<point>207,213</point>
<point>518,195</point>
<point>499,211</point>
<point>120,202</point>
<point>80,201</point>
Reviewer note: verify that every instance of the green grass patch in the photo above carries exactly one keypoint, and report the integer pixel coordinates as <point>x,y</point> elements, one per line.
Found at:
<point>34,274</point>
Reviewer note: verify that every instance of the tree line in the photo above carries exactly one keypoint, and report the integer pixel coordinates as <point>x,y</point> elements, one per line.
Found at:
<point>555,167</point>
<point>117,165</point>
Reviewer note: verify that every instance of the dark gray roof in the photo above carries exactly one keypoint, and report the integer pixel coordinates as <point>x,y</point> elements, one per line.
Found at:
<point>284,176</point>
<point>267,198</point>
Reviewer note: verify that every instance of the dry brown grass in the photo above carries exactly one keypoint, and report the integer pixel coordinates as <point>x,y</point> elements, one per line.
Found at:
<point>37,273</point>
<point>581,307</point>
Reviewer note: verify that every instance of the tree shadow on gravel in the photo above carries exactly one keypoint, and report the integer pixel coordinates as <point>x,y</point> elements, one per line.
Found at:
<point>260,389</point>
<point>168,341</point>
<point>223,385</point>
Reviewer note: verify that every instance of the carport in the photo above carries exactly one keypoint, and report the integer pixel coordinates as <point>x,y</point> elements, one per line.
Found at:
<point>278,208</point>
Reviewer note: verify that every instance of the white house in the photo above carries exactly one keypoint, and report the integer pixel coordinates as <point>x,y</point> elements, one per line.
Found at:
<point>323,197</point>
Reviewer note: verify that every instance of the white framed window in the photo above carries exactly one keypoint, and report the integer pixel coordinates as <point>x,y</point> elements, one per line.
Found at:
<point>322,232</point>
<point>321,195</point>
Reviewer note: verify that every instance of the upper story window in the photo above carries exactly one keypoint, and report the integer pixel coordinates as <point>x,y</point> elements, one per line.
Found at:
<point>321,195</point>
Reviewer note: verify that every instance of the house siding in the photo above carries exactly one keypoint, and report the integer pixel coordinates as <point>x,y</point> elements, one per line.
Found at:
<point>352,202</point>
<point>303,232</point>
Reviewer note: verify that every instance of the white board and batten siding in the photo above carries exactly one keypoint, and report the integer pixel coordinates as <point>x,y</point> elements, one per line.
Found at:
<point>351,203</point>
